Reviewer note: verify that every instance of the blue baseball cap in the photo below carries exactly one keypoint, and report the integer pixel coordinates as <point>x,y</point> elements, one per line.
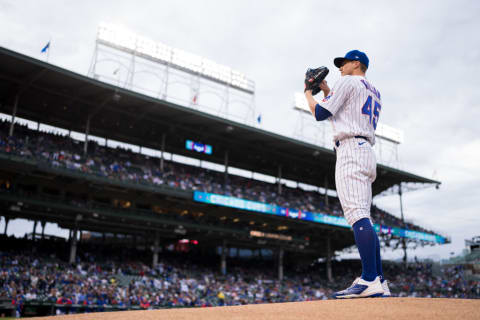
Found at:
<point>354,55</point>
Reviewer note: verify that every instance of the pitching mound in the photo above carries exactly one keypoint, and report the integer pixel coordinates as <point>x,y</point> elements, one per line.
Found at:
<point>380,308</point>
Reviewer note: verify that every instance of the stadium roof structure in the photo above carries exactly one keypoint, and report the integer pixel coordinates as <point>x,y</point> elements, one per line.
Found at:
<point>62,98</point>
<point>162,209</point>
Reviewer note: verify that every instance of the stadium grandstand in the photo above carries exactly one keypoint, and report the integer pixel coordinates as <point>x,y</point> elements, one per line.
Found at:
<point>170,220</point>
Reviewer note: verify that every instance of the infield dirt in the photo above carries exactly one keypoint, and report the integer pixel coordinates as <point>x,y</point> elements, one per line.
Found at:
<point>380,308</point>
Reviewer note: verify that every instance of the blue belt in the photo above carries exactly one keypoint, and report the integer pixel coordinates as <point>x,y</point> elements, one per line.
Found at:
<point>337,143</point>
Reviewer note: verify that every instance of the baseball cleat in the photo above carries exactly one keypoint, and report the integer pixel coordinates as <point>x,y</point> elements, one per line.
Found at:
<point>386,290</point>
<point>361,289</point>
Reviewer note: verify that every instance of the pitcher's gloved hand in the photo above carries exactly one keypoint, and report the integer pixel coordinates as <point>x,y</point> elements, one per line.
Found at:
<point>313,78</point>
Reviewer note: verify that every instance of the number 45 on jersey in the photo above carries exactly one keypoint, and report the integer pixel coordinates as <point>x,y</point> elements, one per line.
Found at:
<point>373,113</point>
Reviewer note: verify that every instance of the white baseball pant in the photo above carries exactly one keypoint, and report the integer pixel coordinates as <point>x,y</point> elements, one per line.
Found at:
<point>355,171</point>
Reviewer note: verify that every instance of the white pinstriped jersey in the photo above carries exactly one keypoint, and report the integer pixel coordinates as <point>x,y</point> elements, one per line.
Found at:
<point>355,106</point>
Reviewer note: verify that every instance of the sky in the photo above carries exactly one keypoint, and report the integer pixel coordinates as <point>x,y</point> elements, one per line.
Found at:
<point>424,60</point>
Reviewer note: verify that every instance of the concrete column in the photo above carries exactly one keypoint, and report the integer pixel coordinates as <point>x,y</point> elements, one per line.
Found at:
<point>87,131</point>
<point>329,260</point>
<point>279,178</point>
<point>326,190</point>
<point>43,223</point>
<point>226,167</point>
<point>73,240</point>
<point>164,136</point>
<point>280,264</point>
<point>14,114</point>
<point>223,265</point>
<point>73,246</point>
<point>7,220</point>
<point>34,231</point>
<point>156,245</point>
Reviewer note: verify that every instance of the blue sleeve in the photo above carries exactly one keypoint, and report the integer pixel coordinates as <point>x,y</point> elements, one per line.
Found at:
<point>321,113</point>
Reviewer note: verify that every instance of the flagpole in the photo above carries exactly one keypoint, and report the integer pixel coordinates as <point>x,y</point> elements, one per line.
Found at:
<point>49,48</point>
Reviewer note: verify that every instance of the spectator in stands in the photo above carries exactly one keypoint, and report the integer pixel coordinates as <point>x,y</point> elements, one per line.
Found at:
<point>64,152</point>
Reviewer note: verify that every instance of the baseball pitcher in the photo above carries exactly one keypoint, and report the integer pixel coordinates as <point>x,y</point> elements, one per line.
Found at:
<point>353,107</point>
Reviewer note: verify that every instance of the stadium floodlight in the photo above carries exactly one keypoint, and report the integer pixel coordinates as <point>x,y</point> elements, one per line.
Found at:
<point>186,60</point>
<point>147,47</point>
<point>122,39</point>
<point>118,36</point>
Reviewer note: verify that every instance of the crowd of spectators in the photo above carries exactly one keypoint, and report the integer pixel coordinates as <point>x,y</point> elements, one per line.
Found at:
<point>125,165</point>
<point>99,280</point>
<point>420,280</point>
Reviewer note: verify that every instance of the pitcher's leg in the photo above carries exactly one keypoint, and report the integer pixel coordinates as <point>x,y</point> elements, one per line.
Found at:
<point>353,178</point>
<point>365,239</point>
<point>378,259</point>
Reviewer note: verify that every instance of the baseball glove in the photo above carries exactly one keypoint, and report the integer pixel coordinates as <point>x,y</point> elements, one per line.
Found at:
<point>313,78</point>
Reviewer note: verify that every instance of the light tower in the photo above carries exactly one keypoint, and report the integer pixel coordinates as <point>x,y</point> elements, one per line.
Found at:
<point>136,63</point>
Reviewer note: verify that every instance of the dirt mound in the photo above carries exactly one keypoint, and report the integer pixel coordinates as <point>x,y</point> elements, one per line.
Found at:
<point>379,308</point>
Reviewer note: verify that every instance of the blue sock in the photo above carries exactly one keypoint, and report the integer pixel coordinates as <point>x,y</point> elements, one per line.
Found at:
<point>364,237</point>
<point>378,259</point>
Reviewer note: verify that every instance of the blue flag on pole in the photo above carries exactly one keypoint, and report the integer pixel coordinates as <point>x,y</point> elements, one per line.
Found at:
<point>46,47</point>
